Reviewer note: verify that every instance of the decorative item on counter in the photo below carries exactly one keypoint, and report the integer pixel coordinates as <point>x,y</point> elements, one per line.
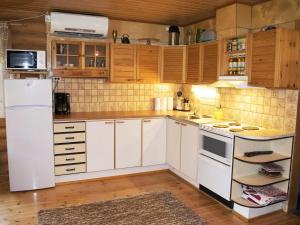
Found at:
<point>199,34</point>
<point>263,196</point>
<point>186,104</point>
<point>271,170</point>
<point>208,35</point>
<point>270,27</point>
<point>148,40</point>
<point>179,101</point>
<point>255,153</point>
<point>174,34</point>
<point>189,37</point>
<point>218,114</point>
<point>156,104</point>
<point>115,35</point>
<point>125,39</point>
<point>170,103</point>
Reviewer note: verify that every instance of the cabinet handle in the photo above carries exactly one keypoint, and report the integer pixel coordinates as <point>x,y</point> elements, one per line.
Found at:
<point>69,138</point>
<point>110,122</point>
<point>140,79</point>
<point>70,159</point>
<point>130,79</point>
<point>183,124</point>
<point>68,170</point>
<point>147,121</point>
<point>72,127</point>
<point>69,149</point>
<point>120,122</point>
<point>177,122</point>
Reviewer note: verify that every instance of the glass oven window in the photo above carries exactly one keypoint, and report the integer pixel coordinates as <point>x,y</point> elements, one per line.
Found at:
<point>214,146</point>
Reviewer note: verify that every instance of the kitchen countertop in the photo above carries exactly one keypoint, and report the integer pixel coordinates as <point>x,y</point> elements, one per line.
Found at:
<point>263,134</point>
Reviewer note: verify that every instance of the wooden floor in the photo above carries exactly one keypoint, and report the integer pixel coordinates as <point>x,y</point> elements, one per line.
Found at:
<point>22,208</point>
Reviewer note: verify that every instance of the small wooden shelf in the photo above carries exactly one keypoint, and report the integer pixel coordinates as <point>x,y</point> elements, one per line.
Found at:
<point>261,159</point>
<point>258,180</point>
<point>28,72</point>
<point>244,202</point>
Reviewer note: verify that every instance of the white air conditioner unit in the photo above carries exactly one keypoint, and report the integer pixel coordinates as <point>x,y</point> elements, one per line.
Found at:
<point>78,25</point>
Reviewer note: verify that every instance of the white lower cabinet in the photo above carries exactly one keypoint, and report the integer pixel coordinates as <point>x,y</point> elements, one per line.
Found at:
<point>189,150</point>
<point>100,145</point>
<point>182,148</point>
<point>173,143</point>
<point>154,142</point>
<point>128,143</point>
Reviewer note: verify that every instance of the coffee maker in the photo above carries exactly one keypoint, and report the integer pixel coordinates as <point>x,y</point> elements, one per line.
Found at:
<point>62,103</point>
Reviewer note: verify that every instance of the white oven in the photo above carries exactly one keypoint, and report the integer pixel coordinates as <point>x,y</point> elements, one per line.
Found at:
<point>214,163</point>
<point>217,147</point>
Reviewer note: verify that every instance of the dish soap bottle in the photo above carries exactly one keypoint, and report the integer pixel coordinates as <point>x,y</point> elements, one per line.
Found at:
<point>218,114</point>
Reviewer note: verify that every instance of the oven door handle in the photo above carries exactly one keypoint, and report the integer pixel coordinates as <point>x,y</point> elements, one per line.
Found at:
<point>217,137</point>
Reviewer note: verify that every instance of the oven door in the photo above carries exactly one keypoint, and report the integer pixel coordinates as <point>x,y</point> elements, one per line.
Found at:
<point>21,59</point>
<point>216,146</point>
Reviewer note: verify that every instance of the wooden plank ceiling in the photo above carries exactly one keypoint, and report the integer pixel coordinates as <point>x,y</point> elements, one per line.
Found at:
<point>179,12</point>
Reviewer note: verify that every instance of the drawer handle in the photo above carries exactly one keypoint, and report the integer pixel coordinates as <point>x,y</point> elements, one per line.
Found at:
<point>68,170</point>
<point>72,127</point>
<point>111,122</point>
<point>70,159</point>
<point>147,121</point>
<point>69,149</point>
<point>69,138</point>
<point>120,122</point>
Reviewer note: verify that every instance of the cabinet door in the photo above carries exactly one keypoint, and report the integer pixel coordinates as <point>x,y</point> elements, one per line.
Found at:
<point>174,61</point>
<point>289,58</point>
<point>193,64</point>
<point>209,62</point>
<point>154,142</point>
<point>128,143</point>
<point>100,145</point>
<point>123,63</point>
<point>263,49</point>
<point>173,143</point>
<point>189,150</point>
<point>148,63</point>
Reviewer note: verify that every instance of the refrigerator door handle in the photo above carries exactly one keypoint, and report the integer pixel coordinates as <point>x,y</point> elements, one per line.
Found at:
<point>20,107</point>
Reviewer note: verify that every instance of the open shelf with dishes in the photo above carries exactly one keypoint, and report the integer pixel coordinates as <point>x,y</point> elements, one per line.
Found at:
<point>260,168</point>
<point>71,58</point>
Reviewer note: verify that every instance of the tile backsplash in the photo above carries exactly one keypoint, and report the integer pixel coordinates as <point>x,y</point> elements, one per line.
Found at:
<point>269,108</point>
<point>93,95</point>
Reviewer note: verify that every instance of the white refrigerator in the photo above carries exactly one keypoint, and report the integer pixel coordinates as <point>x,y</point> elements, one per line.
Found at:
<point>29,128</point>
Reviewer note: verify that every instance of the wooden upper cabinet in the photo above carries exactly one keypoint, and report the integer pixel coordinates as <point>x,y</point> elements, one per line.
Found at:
<point>173,64</point>
<point>123,63</point>
<point>202,63</point>
<point>148,63</point>
<point>79,58</point>
<point>274,59</point>
<point>209,61</point>
<point>193,67</point>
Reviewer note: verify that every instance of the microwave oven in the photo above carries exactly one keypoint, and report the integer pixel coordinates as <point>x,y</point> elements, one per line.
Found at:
<point>25,59</point>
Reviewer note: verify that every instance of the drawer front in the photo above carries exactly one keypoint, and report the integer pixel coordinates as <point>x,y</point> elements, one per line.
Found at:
<point>69,148</point>
<point>68,159</point>
<point>69,127</point>
<point>69,138</point>
<point>69,169</point>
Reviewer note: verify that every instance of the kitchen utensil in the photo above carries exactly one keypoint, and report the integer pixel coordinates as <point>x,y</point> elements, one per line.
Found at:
<point>115,35</point>
<point>125,39</point>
